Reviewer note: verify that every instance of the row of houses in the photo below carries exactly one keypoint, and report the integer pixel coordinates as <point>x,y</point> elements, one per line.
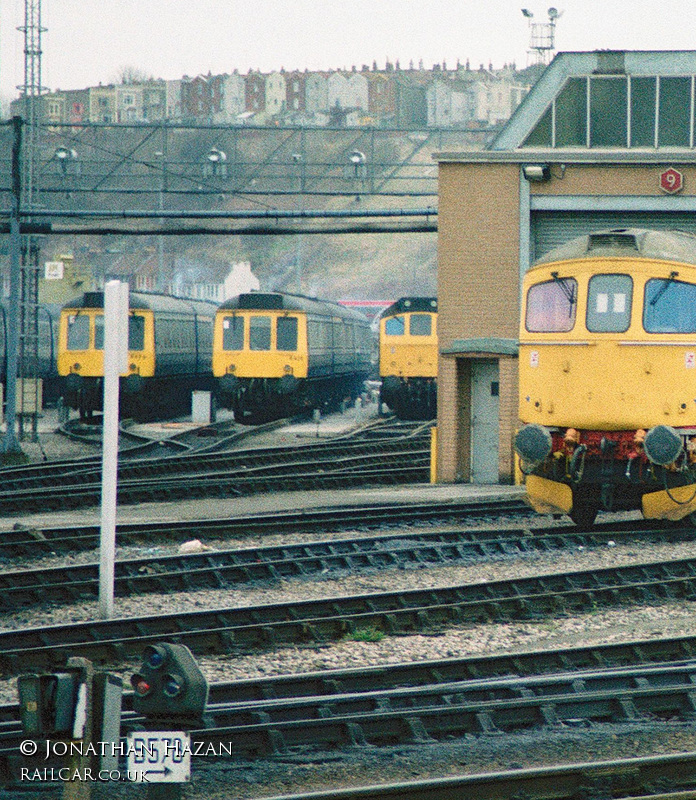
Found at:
<point>413,97</point>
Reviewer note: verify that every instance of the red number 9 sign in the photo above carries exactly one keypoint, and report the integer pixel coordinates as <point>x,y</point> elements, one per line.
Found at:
<point>671,181</point>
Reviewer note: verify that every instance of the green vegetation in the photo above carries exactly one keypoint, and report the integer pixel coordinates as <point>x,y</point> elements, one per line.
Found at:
<point>368,634</point>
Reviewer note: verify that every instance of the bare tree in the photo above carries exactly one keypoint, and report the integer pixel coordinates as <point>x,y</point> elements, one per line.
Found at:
<point>130,74</point>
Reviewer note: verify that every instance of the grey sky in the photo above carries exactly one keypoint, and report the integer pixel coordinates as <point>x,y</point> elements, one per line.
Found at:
<point>88,41</point>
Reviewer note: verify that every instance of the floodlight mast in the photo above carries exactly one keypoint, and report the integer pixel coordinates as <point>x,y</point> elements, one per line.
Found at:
<point>542,37</point>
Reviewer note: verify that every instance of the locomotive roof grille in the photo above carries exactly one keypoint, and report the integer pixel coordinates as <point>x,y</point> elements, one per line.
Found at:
<point>614,239</point>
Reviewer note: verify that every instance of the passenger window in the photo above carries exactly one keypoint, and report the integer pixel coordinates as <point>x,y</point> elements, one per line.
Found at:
<point>286,333</point>
<point>136,332</point>
<point>78,332</point>
<point>233,333</point>
<point>670,306</point>
<point>259,333</point>
<point>551,306</point>
<point>394,326</point>
<point>99,332</point>
<point>609,299</point>
<point>420,325</point>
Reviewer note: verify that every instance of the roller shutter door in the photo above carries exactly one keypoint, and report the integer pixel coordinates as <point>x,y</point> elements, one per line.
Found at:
<point>552,228</point>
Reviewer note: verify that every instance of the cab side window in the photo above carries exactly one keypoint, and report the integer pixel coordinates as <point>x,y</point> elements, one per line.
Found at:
<point>259,333</point>
<point>136,332</point>
<point>395,326</point>
<point>233,333</point>
<point>551,306</point>
<point>420,325</point>
<point>670,306</point>
<point>78,332</point>
<point>286,333</point>
<point>609,300</point>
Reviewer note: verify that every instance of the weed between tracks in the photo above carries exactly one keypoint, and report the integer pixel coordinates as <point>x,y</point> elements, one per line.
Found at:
<point>370,634</point>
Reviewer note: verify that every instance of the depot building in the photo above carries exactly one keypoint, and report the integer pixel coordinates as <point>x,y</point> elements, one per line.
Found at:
<point>603,140</point>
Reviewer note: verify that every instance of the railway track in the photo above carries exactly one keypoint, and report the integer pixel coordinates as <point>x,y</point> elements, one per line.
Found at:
<point>420,714</point>
<point>22,541</point>
<point>669,777</point>
<point>203,438</point>
<point>88,469</point>
<point>259,627</point>
<point>222,475</point>
<point>224,569</point>
<point>439,712</point>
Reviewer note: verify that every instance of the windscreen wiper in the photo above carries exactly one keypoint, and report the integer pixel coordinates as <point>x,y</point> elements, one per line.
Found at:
<point>664,287</point>
<point>567,289</point>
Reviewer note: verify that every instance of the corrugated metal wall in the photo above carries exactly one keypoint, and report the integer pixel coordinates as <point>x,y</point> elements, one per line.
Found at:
<point>552,228</point>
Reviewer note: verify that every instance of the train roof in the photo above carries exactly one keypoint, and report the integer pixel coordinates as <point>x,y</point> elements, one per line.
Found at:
<point>148,300</point>
<point>627,242</point>
<point>277,301</point>
<point>410,304</point>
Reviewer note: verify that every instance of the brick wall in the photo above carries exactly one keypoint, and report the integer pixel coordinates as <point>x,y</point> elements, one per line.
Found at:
<point>478,296</point>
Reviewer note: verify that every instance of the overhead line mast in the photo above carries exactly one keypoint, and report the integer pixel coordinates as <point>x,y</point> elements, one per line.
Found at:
<point>32,90</point>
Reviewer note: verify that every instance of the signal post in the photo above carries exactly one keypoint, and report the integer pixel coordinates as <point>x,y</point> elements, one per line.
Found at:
<point>172,693</point>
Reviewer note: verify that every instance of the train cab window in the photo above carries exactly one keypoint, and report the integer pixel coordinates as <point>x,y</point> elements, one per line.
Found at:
<point>670,306</point>
<point>609,303</point>
<point>551,306</point>
<point>259,333</point>
<point>136,332</point>
<point>286,333</point>
<point>99,332</point>
<point>420,325</point>
<point>395,326</point>
<point>233,333</point>
<point>78,332</point>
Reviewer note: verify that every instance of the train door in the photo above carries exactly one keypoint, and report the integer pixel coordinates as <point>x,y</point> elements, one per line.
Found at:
<point>485,422</point>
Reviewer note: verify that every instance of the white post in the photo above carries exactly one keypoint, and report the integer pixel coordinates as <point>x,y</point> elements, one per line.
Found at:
<point>115,362</point>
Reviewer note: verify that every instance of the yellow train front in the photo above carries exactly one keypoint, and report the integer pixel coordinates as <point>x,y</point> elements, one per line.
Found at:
<point>277,354</point>
<point>608,376</point>
<point>169,353</point>
<point>408,357</point>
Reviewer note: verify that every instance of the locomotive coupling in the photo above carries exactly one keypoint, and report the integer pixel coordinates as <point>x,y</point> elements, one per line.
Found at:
<point>533,443</point>
<point>663,445</point>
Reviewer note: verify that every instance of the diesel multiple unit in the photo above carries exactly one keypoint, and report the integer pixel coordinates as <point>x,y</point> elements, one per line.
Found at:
<point>275,354</point>
<point>408,357</point>
<point>169,352</point>
<point>42,362</point>
<point>607,367</point>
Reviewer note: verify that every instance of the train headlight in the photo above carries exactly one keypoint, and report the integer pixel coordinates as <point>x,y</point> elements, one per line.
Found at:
<point>662,445</point>
<point>232,368</point>
<point>287,369</point>
<point>77,367</point>
<point>533,443</point>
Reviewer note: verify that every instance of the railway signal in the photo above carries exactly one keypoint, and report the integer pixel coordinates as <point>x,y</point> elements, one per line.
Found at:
<point>170,685</point>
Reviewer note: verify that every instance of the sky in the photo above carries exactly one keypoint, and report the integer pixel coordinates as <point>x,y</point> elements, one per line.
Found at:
<point>90,41</point>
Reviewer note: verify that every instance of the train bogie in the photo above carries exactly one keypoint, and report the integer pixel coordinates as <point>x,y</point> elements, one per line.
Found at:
<point>408,357</point>
<point>607,367</point>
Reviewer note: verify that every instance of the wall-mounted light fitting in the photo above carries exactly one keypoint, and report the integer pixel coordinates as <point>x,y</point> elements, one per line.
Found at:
<point>537,172</point>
